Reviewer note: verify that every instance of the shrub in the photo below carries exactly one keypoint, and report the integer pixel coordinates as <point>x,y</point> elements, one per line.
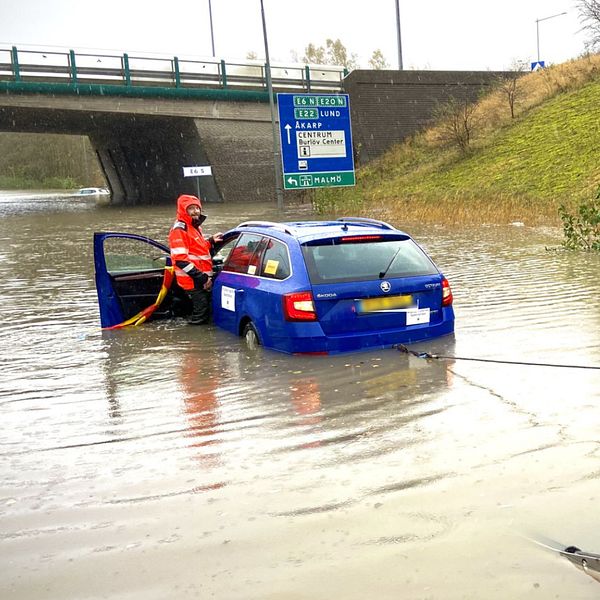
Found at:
<point>457,122</point>
<point>60,183</point>
<point>582,229</point>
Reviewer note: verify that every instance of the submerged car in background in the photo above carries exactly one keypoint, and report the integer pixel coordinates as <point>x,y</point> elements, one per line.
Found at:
<point>93,191</point>
<point>314,287</point>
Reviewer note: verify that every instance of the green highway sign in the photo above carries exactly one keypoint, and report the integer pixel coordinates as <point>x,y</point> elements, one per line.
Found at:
<point>319,100</point>
<point>306,113</point>
<point>300,181</point>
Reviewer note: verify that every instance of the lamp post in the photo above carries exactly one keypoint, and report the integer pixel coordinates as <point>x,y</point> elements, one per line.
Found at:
<point>212,35</point>
<point>400,67</point>
<point>276,161</point>
<point>537,26</point>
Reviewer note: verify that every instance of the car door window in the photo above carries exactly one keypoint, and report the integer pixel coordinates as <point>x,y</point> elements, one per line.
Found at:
<point>276,262</point>
<point>224,251</point>
<point>124,256</point>
<point>245,257</point>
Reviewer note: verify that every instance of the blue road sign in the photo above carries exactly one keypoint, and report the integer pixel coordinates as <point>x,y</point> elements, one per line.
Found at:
<point>316,140</point>
<point>537,65</point>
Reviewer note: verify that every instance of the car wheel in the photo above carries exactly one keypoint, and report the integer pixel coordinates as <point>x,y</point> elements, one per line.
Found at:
<point>250,336</point>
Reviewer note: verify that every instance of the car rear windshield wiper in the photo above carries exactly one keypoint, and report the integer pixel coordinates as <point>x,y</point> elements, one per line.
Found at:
<point>382,274</point>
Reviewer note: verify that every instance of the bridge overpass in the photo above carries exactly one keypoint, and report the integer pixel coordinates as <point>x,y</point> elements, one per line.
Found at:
<point>147,117</point>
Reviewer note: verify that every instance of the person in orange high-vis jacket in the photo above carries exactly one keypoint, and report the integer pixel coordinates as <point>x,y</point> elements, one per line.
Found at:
<point>191,254</point>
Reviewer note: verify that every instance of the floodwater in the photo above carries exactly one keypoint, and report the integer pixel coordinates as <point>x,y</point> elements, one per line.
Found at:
<point>168,461</point>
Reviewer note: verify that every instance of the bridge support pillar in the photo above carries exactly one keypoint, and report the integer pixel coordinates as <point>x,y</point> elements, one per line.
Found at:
<point>241,156</point>
<point>142,159</point>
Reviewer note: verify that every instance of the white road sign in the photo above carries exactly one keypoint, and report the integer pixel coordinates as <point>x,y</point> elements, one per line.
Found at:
<point>313,144</point>
<point>196,171</point>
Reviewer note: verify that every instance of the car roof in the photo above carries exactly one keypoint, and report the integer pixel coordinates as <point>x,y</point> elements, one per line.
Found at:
<point>305,231</point>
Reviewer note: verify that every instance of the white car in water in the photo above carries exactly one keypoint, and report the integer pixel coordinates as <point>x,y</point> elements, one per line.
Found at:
<point>93,191</point>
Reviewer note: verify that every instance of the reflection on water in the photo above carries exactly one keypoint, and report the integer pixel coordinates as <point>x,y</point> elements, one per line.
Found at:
<point>179,464</point>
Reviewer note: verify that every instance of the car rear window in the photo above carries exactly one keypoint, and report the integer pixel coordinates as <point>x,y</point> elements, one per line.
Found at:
<point>363,259</point>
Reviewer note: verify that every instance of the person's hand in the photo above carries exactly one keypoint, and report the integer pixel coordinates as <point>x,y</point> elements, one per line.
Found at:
<point>217,237</point>
<point>208,285</point>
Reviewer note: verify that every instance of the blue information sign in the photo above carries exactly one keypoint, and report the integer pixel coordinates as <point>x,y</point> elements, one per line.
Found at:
<point>316,140</point>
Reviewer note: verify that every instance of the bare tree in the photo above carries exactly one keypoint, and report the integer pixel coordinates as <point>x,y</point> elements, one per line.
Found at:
<point>589,16</point>
<point>509,86</point>
<point>457,120</point>
<point>377,61</point>
<point>333,53</point>
<point>338,55</point>
<point>314,54</point>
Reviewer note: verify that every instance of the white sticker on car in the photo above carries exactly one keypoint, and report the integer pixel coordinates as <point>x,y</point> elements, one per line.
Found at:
<point>228,298</point>
<point>417,316</point>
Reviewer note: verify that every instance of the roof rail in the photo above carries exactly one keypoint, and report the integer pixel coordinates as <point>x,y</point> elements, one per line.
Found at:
<point>359,220</point>
<point>272,224</point>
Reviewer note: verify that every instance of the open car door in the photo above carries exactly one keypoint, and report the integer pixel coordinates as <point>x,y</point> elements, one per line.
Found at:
<point>130,270</point>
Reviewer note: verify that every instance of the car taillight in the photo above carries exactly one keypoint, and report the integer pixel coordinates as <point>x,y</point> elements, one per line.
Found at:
<point>360,238</point>
<point>299,306</point>
<point>446,293</point>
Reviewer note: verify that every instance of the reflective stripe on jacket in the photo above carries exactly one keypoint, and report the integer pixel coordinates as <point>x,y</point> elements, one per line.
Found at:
<point>190,251</point>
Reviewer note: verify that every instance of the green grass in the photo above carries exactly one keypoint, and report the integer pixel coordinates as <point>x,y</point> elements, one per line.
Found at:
<point>547,154</point>
<point>524,168</point>
<point>49,183</point>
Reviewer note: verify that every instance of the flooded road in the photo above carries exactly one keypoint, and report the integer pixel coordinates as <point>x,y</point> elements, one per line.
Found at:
<point>168,461</point>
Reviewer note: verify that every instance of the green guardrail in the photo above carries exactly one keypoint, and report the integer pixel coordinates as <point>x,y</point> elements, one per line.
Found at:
<point>90,74</point>
<point>92,89</point>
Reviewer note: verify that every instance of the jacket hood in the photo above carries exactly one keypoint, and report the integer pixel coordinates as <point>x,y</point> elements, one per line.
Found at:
<point>182,204</point>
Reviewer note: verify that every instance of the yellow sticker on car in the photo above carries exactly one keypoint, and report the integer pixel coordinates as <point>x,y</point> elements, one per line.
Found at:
<point>271,267</point>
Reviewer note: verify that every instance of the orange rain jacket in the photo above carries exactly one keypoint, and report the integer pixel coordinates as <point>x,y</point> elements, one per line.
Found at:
<point>191,253</point>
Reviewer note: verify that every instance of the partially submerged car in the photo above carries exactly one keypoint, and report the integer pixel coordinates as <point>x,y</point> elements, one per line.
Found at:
<point>93,191</point>
<point>314,287</point>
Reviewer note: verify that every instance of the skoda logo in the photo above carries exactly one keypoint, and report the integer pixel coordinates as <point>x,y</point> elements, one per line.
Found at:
<point>385,286</point>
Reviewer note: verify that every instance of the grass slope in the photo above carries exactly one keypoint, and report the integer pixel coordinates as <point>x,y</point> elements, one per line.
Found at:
<point>517,169</point>
<point>547,154</point>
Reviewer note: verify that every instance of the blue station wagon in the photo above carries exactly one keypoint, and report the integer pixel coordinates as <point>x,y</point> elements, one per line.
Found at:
<point>310,287</point>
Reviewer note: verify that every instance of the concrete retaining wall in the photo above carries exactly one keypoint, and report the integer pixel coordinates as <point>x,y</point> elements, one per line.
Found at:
<point>389,106</point>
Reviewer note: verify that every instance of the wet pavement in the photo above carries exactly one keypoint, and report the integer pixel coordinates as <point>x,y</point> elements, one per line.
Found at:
<point>169,461</point>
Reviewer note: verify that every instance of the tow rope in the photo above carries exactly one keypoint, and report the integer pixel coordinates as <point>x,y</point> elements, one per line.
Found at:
<point>144,314</point>
<point>428,355</point>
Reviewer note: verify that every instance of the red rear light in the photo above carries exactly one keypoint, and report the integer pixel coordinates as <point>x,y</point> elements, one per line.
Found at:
<point>360,238</point>
<point>446,293</point>
<point>299,306</point>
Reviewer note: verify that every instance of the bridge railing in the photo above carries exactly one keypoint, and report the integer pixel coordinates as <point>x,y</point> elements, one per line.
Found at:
<point>130,70</point>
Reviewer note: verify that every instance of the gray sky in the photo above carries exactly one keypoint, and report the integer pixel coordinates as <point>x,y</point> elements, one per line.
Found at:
<point>436,34</point>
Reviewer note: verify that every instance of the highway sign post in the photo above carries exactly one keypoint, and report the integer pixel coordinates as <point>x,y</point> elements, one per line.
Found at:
<point>316,140</point>
<point>197,172</point>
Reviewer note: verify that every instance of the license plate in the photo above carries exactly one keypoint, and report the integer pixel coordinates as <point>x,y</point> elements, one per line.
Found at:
<point>385,303</point>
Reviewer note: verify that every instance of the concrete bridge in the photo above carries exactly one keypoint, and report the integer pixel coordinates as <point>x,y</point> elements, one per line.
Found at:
<point>148,117</point>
